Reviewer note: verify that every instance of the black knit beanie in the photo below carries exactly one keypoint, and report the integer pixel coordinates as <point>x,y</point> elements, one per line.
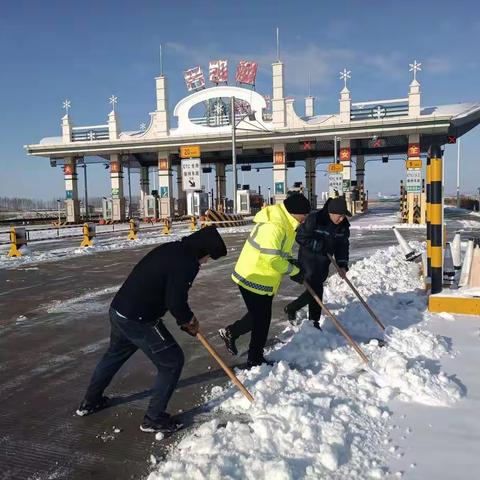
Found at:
<point>297,203</point>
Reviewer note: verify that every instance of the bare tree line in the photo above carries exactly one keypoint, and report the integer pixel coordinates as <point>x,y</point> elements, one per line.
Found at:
<point>31,204</point>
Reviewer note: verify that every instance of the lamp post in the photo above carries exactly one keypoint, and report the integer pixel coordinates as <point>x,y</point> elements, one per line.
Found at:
<point>59,217</point>
<point>458,173</point>
<point>234,153</point>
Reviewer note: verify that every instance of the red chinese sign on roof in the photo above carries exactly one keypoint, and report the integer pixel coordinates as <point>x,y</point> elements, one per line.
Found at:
<point>218,71</point>
<point>194,79</point>
<point>246,72</point>
<point>242,107</point>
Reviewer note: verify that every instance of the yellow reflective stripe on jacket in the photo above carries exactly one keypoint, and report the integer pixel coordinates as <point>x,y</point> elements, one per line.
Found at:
<point>268,251</point>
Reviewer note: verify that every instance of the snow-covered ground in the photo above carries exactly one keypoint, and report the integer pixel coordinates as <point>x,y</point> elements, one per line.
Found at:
<point>101,244</point>
<point>319,412</point>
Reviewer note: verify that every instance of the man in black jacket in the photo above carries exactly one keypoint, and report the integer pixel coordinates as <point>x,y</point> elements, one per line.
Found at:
<point>157,284</point>
<point>324,231</point>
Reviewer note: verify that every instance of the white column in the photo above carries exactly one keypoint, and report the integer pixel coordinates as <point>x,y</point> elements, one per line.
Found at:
<point>345,105</point>
<point>165,197</point>
<point>310,181</point>
<point>160,120</point>
<point>144,190</point>
<point>72,203</point>
<point>414,99</point>
<point>116,180</point>
<point>278,100</point>
<point>309,106</point>
<point>220,183</point>
<point>182,195</point>
<point>345,160</point>
<point>66,129</point>
<point>279,173</point>
<point>113,126</point>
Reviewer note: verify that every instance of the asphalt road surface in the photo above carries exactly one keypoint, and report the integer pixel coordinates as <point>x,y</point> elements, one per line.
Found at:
<point>53,330</point>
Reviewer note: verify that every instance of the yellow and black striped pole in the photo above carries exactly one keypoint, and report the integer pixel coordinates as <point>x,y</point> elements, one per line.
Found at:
<point>429,236</point>
<point>436,218</point>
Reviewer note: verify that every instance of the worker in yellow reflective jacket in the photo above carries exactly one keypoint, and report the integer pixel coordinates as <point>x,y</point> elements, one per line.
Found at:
<point>265,258</point>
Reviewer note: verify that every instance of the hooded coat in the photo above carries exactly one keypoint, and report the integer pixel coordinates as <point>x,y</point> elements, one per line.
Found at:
<point>161,280</point>
<point>317,236</point>
<point>265,256</point>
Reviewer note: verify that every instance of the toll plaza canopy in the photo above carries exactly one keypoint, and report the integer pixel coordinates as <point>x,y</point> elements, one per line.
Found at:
<point>267,130</point>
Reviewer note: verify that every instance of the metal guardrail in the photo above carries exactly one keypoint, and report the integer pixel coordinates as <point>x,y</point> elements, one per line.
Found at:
<point>94,132</point>
<point>379,109</point>
<point>125,229</point>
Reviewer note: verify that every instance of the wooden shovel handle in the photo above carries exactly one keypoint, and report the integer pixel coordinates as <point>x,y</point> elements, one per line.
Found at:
<point>357,293</point>
<point>225,367</point>
<point>337,324</point>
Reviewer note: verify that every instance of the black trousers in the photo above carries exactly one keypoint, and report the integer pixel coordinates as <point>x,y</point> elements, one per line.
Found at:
<point>157,343</point>
<point>256,320</point>
<point>314,309</point>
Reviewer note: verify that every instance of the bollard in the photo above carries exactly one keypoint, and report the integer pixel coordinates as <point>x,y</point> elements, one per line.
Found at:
<point>448,268</point>
<point>193,223</point>
<point>467,263</point>
<point>167,226</point>
<point>88,231</point>
<point>18,238</point>
<point>456,251</point>
<point>474,280</point>
<point>133,228</point>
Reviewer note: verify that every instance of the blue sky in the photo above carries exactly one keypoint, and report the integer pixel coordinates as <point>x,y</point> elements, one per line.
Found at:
<point>86,51</point>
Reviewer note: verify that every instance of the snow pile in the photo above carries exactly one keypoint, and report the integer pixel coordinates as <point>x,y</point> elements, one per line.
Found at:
<point>318,412</point>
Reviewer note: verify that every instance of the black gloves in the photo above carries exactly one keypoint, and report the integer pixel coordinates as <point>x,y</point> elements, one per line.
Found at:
<point>298,278</point>
<point>191,327</point>
<point>294,262</point>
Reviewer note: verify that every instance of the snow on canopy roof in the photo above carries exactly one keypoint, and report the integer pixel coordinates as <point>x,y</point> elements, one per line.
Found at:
<point>455,110</point>
<point>51,141</point>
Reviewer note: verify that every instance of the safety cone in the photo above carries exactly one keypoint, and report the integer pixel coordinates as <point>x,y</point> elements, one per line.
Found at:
<point>456,251</point>
<point>448,268</point>
<point>474,280</point>
<point>467,263</point>
<point>410,254</point>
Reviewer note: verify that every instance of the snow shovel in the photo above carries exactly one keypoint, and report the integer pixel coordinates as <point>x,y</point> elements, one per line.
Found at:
<point>337,324</point>
<point>379,378</point>
<point>225,367</point>
<point>356,292</point>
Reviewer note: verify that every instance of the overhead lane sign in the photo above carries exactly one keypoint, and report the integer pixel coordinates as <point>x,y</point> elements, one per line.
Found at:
<point>191,176</point>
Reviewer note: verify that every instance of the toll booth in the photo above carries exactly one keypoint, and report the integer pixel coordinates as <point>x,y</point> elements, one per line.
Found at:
<point>243,202</point>
<point>107,207</point>
<point>197,203</point>
<point>151,206</point>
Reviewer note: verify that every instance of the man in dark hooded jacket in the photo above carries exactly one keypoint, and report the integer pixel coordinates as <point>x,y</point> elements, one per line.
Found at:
<point>157,284</point>
<point>324,231</point>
